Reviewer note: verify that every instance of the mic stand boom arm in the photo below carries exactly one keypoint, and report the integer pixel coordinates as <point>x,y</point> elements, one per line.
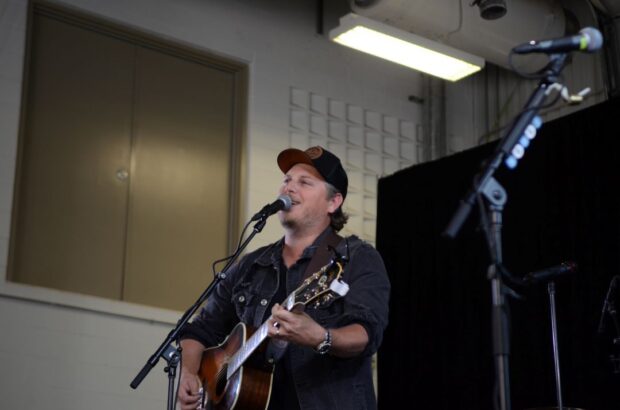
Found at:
<point>485,186</point>
<point>171,353</point>
<point>507,143</point>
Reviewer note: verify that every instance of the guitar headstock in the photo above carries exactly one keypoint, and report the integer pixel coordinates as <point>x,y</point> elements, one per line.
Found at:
<point>322,287</point>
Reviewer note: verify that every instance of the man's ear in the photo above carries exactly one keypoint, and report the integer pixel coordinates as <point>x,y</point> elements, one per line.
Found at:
<point>335,202</point>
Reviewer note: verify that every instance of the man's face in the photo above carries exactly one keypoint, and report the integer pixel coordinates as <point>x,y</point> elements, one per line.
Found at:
<point>308,192</point>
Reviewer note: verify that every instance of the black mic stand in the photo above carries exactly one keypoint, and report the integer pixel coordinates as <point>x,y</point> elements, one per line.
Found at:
<point>496,197</point>
<point>615,359</point>
<point>485,186</point>
<point>171,353</point>
<point>554,340</point>
<point>609,306</point>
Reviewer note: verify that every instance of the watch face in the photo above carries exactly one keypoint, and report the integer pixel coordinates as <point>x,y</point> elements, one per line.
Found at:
<point>323,347</point>
<point>326,344</point>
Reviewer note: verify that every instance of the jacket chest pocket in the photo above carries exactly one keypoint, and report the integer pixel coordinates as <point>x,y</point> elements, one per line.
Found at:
<point>245,305</point>
<point>249,302</point>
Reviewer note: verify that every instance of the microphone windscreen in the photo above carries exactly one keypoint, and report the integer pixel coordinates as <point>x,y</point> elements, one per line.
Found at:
<point>287,201</point>
<point>595,38</point>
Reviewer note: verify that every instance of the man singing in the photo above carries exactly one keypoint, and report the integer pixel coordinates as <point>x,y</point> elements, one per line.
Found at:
<point>327,362</point>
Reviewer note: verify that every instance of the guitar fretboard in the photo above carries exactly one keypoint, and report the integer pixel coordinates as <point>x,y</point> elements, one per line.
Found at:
<point>319,288</point>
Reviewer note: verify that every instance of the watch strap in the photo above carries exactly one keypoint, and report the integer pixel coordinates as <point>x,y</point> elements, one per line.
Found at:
<point>326,344</point>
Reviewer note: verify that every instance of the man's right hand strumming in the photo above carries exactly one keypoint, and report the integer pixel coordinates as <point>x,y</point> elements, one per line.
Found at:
<point>190,392</point>
<point>190,387</point>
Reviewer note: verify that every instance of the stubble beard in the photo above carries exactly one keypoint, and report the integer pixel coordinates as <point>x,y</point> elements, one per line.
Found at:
<point>286,222</point>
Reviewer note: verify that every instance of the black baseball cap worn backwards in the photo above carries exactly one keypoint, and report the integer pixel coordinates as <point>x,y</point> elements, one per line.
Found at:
<point>328,165</point>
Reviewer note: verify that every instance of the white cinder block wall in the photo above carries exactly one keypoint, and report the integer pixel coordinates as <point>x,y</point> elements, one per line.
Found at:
<point>64,351</point>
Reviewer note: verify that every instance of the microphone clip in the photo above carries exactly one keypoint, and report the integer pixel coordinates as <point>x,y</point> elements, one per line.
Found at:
<point>571,99</point>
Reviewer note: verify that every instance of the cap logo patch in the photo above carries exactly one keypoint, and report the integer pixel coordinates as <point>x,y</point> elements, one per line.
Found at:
<point>314,152</point>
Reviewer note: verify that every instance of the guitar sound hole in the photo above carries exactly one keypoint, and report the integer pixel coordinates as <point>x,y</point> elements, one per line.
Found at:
<point>220,381</point>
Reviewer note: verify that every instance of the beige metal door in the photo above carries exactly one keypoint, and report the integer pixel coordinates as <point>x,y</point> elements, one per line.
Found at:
<point>178,212</point>
<point>124,183</point>
<point>70,215</point>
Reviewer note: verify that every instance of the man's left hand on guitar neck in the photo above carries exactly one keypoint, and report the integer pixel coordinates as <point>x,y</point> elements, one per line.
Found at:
<point>301,329</point>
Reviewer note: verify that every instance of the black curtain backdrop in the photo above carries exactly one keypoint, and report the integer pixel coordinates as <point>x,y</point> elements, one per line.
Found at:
<point>563,205</point>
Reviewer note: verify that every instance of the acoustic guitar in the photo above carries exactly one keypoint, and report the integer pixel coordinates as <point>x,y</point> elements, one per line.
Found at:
<point>238,373</point>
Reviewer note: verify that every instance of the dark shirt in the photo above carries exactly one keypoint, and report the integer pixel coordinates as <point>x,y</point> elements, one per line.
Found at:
<point>283,393</point>
<point>321,381</point>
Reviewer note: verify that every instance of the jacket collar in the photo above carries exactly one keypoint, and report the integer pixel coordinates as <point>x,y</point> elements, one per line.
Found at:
<point>273,254</point>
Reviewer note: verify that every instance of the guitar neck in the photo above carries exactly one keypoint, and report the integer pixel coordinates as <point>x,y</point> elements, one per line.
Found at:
<point>322,286</point>
<point>246,350</point>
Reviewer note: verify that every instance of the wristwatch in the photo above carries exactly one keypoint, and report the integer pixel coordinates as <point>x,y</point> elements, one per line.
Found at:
<point>326,344</point>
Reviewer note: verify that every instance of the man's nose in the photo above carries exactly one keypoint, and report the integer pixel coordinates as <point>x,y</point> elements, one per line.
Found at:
<point>288,187</point>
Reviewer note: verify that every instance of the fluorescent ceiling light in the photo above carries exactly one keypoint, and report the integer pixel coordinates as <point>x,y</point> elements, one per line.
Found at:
<point>405,48</point>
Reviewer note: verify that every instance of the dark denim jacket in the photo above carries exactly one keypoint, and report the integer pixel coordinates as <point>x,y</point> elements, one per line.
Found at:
<point>322,381</point>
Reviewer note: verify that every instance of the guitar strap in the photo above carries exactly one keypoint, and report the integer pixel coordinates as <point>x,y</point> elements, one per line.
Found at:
<point>323,254</point>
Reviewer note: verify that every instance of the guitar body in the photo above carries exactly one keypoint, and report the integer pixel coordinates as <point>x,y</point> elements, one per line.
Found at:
<point>249,388</point>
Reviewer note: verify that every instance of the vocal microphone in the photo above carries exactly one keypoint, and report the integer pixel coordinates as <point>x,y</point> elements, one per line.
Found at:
<point>607,302</point>
<point>589,39</point>
<point>283,202</point>
<point>549,273</point>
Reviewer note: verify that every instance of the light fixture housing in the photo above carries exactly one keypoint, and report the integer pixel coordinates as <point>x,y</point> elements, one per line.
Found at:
<point>405,48</point>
